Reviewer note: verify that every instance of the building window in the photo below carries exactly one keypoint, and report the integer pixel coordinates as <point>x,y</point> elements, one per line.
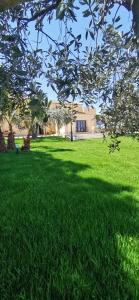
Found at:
<point>80,126</point>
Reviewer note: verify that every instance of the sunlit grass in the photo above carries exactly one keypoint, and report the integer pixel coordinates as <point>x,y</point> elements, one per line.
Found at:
<point>69,221</point>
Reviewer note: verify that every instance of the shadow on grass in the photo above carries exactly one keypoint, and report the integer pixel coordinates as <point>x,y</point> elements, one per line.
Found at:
<point>49,138</point>
<point>54,149</point>
<point>63,236</point>
<point>61,150</point>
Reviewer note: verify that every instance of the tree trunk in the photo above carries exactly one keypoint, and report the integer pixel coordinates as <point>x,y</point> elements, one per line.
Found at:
<point>135,10</point>
<point>2,142</point>
<point>11,139</point>
<point>26,144</point>
<point>34,132</point>
<point>71,133</point>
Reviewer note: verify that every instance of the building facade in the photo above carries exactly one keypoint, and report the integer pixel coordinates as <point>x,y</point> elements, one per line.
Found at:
<point>84,124</point>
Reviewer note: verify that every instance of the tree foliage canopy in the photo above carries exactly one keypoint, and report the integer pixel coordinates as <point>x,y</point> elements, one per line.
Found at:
<point>105,72</point>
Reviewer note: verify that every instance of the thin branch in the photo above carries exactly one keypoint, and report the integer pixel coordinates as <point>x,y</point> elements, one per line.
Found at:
<point>116,13</point>
<point>49,37</point>
<point>41,13</point>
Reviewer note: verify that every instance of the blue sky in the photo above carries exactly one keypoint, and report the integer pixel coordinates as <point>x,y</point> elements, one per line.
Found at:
<point>55,28</point>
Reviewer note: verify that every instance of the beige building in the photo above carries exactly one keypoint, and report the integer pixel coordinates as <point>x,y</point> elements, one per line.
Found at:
<point>84,124</point>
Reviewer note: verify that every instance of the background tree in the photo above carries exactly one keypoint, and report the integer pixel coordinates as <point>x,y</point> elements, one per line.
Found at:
<point>121,116</point>
<point>10,112</point>
<point>62,116</point>
<point>35,111</point>
<point>115,76</point>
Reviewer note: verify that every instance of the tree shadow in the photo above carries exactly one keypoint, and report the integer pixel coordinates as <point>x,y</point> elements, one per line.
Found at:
<point>64,236</point>
<point>49,138</point>
<point>54,149</point>
<point>61,150</point>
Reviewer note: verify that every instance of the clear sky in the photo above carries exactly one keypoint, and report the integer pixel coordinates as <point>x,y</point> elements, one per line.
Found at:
<point>55,28</point>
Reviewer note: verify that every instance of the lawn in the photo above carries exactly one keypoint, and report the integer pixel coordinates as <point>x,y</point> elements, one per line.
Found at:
<point>69,222</point>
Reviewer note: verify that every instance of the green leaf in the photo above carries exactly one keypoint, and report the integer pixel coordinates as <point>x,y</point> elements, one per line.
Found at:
<point>72,15</point>
<point>79,37</point>
<point>53,88</point>
<point>79,91</point>
<point>90,24</point>
<point>86,35</point>
<point>21,73</point>
<point>60,12</point>
<point>8,38</point>
<point>86,13</point>
<point>117,27</point>
<point>117,19</point>
<point>71,42</point>
<point>17,52</point>
<point>91,34</point>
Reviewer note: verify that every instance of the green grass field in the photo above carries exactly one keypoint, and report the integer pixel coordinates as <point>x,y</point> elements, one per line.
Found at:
<point>69,222</point>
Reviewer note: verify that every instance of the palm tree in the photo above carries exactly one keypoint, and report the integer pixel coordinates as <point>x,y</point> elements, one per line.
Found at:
<point>36,111</point>
<point>9,111</point>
